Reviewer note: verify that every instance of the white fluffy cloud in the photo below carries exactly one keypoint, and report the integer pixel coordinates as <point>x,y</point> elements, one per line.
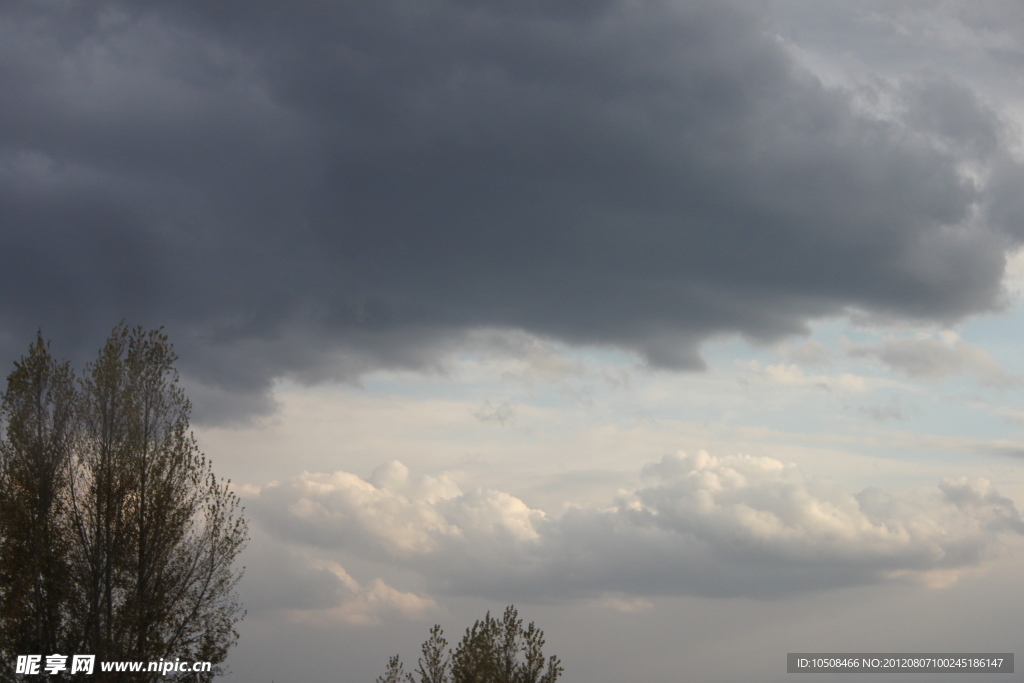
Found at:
<point>698,524</point>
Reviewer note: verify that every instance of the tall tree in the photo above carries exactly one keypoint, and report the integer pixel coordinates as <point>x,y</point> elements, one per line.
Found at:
<point>491,651</point>
<point>145,533</point>
<point>39,428</point>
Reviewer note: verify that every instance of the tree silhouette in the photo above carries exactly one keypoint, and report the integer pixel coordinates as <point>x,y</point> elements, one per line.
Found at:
<point>491,651</point>
<point>116,538</point>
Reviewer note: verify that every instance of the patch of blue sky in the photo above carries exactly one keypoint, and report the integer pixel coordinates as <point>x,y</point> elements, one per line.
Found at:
<point>1000,335</point>
<point>806,399</point>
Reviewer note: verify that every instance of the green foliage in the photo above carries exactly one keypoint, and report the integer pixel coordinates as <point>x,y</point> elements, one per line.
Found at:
<point>116,538</point>
<point>491,651</point>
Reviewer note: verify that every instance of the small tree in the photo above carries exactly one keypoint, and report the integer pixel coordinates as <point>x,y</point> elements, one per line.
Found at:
<point>395,672</point>
<point>433,665</point>
<point>491,651</point>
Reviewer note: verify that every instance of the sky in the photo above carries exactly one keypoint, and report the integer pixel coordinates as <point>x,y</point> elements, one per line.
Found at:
<point>691,328</point>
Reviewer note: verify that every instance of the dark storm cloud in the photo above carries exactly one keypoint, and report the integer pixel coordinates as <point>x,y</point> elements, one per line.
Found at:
<point>309,188</point>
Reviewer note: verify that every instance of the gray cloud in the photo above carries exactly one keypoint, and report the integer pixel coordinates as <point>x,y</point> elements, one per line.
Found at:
<point>699,525</point>
<point>284,581</point>
<point>934,359</point>
<point>954,114</point>
<point>323,188</point>
<point>502,414</point>
<point>883,413</point>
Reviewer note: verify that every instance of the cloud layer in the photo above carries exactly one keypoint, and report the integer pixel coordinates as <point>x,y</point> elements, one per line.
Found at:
<point>699,525</point>
<point>933,359</point>
<point>302,588</point>
<point>315,190</point>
